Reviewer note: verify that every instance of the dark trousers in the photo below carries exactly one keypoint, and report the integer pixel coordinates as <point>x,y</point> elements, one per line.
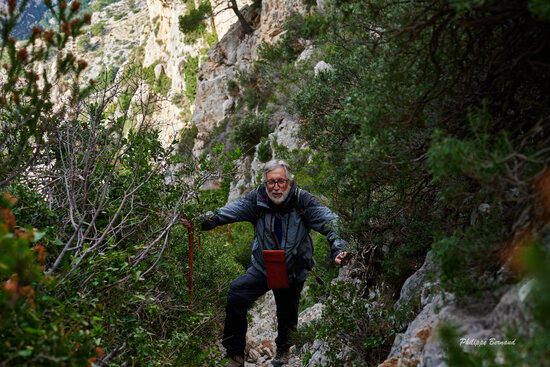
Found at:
<point>243,292</point>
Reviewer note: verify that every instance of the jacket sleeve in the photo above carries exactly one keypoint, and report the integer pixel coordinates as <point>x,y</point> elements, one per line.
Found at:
<point>321,219</point>
<point>240,210</point>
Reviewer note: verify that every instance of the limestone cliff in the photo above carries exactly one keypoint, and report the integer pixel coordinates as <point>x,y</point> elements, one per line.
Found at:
<point>235,52</point>
<point>147,33</point>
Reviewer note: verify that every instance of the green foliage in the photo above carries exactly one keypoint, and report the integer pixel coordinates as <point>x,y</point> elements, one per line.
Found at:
<point>190,72</point>
<point>233,87</point>
<point>255,92</point>
<point>160,85</point>
<point>83,43</point>
<point>209,39</point>
<point>187,138</point>
<point>117,283</point>
<point>250,131</point>
<point>408,157</point>
<point>325,268</point>
<point>123,287</point>
<point>421,141</point>
<point>218,134</point>
<point>192,23</point>
<point>35,327</point>
<point>540,8</point>
<point>429,130</point>
<point>100,5</point>
<point>97,29</point>
<point>274,71</point>
<point>462,258</point>
<point>350,322</point>
<point>242,238</point>
<point>298,29</point>
<point>118,16</point>
<point>264,150</point>
<point>26,105</point>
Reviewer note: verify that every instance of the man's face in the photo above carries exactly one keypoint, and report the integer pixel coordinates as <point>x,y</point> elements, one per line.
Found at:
<point>277,193</point>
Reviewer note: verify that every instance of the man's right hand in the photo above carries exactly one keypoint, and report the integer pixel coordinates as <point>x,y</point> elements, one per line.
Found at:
<point>210,223</point>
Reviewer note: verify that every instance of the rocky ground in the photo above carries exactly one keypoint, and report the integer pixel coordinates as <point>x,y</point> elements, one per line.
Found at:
<point>262,330</point>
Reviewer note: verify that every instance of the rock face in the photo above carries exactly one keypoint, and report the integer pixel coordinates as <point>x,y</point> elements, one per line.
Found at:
<point>235,52</point>
<point>482,321</point>
<point>153,27</point>
<point>120,30</point>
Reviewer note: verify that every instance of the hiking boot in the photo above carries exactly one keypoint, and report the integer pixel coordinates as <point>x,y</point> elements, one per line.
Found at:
<point>235,361</point>
<point>281,357</point>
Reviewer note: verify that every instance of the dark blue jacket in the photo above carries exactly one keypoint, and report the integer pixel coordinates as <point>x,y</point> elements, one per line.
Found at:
<point>300,213</point>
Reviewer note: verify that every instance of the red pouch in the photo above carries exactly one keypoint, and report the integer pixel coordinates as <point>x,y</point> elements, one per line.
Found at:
<point>275,266</point>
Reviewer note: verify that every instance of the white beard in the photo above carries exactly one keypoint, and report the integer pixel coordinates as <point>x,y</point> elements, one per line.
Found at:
<point>281,199</point>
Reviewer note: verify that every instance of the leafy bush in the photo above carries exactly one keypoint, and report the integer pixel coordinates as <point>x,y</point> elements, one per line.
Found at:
<point>100,5</point>
<point>420,139</point>
<point>160,85</point>
<point>105,281</point>
<point>250,131</point>
<point>35,327</point>
<point>267,79</point>
<point>407,157</point>
<point>325,269</point>
<point>264,150</point>
<point>187,140</point>
<point>83,43</point>
<point>192,23</point>
<point>26,102</point>
<point>97,29</point>
<point>362,330</point>
<point>190,72</point>
<point>233,88</point>
<point>255,91</point>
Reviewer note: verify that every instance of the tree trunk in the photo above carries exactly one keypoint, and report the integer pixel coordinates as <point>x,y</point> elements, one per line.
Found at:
<point>246,27</point>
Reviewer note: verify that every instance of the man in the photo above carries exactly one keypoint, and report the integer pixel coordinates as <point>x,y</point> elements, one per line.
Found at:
<point>283,215</point>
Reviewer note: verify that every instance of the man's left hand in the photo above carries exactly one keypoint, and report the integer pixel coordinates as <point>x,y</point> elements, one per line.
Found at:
<point>342,258</point>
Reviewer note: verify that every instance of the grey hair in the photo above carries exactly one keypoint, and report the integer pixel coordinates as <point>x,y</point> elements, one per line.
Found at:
<point>273,164</point>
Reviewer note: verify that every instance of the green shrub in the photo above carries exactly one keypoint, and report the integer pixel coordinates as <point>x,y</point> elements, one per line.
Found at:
<point>325,268</point>
<point>264,150</point>
<point>97,29</point>
<point>35,327</point>
<point>250,131</point>
<point>190,72</point>
<point>160,85</point>
<point>83,43</point>
<point>192,23</point>
<point>209,39</point>
<point>255,91</point>
<point>233,87</point>
<point>350,322</point>
<point>100,5</point>
<point>187,137</point>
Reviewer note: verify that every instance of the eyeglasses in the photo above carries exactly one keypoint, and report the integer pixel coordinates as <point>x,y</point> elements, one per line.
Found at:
<point>281,182</point>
